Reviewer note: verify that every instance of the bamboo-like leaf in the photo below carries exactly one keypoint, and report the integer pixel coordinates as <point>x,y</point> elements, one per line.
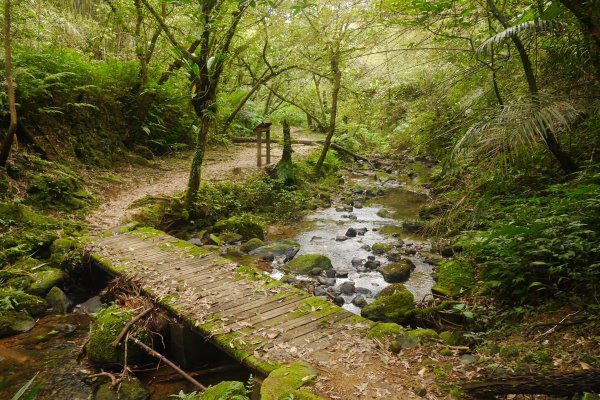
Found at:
<point>525,29</point>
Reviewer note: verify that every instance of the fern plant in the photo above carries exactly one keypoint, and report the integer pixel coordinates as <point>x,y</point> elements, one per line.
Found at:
<point>526,30</point>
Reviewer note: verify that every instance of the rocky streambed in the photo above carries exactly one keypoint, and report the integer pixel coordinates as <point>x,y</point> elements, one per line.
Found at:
<point>368,242</point>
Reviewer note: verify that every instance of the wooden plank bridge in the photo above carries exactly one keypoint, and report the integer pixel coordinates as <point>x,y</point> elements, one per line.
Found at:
<point>259,321</point>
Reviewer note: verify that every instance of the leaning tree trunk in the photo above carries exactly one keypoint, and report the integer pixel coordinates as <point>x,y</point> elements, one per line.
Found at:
<point>337,83</point>
<point>564,160</point>
<point>202,111</point>
<point>12,128</point>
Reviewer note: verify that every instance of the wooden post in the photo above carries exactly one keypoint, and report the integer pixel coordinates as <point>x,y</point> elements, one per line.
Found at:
<point>258,147</point>
<point>268,134</point>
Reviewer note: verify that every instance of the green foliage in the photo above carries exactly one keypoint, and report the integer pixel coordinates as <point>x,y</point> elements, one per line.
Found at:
<point>544,245</point>
<point>28,391</point>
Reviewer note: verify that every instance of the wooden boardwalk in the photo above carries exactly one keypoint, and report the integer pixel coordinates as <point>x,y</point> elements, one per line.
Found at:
<point>259,321</point>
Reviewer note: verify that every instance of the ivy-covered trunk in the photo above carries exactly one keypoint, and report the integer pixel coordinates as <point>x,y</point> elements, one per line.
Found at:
<point>12,129</point>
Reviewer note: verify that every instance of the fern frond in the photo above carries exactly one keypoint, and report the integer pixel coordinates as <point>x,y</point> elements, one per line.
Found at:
<point>525,29</point>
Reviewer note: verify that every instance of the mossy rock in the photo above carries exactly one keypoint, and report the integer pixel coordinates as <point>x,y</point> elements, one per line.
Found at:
<point>130,389</point>
<point>58,190</point>
<point>286,248</point>
<point>251,244</point>
<point>45,280</point>
<point>391,289</point>
<point>60,250</point>
<point>58,300</point>
<point>381,248</point>
<point>226,390</point>
<point>246,225</point>
<point>14,299</point>
<point>454,277</point>
<point>451,338</point>
<point>13,322</point>
<point>309,264</point>
<point>108,324</point>
<point>229,237</point>
<point>397,271</point>
<point>286,380</point>
<point>423,333</point>
<point>391,308</point>
<point>388,330</point>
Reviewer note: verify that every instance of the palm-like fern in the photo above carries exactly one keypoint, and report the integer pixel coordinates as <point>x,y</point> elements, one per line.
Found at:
<point>514,130</point>
<point>524,30</point>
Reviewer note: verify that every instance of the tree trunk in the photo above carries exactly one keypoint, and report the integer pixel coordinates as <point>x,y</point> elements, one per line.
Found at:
<point>196,169</point>
<point>337,82</point>
<point>589,18</point>
<point>564,160</point>
<point>564,384</point>
<point>12,128</point>
<point>287,143</point>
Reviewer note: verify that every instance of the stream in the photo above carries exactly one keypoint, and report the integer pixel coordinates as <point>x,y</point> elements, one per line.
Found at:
<point>393,203</point>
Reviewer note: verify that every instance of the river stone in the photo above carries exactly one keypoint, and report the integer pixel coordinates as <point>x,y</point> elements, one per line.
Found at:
<point>339,301</point>
<point>381,248</point>
<point>330,273</point>
<point>341,273</point>
<point>130,389</point>
<point>432,258</point>
<point>372,264</point>
<point>320,291</point>
<point>353,217</point>
<point>364,291</point>
<point>44,280</point>
<point>347,288</point>
<point>196,241</point>
<point>310,263</point>
<point>58,300</point>
<point>394,256</point>
<point>390,308</point>
<point>357,261</point>
<point>396,272</point>
<point>288,278</point>
<point>90,306</point>
<point>251,244</point>
<point>341,238</point>
<point>351,232</point>
<point>358,204</point>
<point>359,301</point>
<point>326,281</point>
<point>362,231</point>
<point>391,289</point>
<point>365,247</point>
<point>13,322</point>
<point>287,248</point>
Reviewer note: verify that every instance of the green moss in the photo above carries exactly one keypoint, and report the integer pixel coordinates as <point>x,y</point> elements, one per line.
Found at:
<point>13,299</point>
<point>186,247</point>
<point>13,322</point>
<point>286,380</point>
<point>58,190</point>
<point>385,330</point>
<point>397,271</point>
<point>309,263</point>
<point>229,237</point>
<point>451,338</point>
<point>130,389</point>
<point>251,244</point>
<point>108,324</point>
<point>248,273</point>
<point>390,308</point>
<point>305,395</point>
<point>226,390</point>
<point>147,233</point>
<point>391,289</point>
<point>454,277</point>
<point>44,280</point>
<point>381,248</point>
<point>423,333</point>
<point>245,225</point>
<point>446,352</point>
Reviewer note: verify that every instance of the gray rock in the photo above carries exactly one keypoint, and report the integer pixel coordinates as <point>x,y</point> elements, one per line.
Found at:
<point>341,273</point>
<point>89,306</point>
<point>357,261</point>
<point>372,264</point>
<point>352,217</point>
<point>359,301</point>
<point>410,251</point>
<point>58,300</point>
<point>394,255</point>
<point>341,238</point>
<point>287,248</point>
<point>330,273</point>
<point>196,241</point>
<point>371,258</point>
<point>366,247</point>
<point>320,291</point>
<point>397,272</point>
<point>339,301</point>
<point>347,288</point>
<point>288,278</point>
<point>364,291</point>
<point>326,281</point>
<point>316,271</point>
<point>351,232</point>
<point>358,204</point>
<point>361,231</point>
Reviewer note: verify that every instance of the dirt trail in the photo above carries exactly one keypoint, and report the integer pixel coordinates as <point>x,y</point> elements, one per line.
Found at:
<point>169,176</point>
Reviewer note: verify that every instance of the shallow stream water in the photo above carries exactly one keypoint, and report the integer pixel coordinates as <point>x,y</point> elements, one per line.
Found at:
<point>401,202</point>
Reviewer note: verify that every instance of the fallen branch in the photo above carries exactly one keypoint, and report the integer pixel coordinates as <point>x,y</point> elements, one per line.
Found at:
<point>351,153</point>
<point>128,326</point>
<point>162,358</point>
<point>113,379</point>
<point>562,384</point>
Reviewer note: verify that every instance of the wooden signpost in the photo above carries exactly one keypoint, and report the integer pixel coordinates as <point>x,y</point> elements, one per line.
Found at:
<point>266,128</point>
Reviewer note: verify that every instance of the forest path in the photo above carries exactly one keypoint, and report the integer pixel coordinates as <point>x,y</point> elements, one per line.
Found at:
<point>169,175</point>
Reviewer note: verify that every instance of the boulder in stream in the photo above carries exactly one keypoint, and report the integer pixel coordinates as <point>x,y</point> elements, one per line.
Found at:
<point>351,232</point>
<point>381,248</point>
<point>312,264</point>
<point>347,288</point>
<point>357,261</point>
<point>129,389</point>
<point>391,308</point>
<point>58,300</point>
<point>359,301</point>
<point>341,238</point>
<point>13,322</point>
<point>287,248</point>
<point>397,271</point>
<point>251,244</point>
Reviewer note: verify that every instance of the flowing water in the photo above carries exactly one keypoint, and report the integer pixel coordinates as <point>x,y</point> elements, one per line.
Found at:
<point>401,202</point>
